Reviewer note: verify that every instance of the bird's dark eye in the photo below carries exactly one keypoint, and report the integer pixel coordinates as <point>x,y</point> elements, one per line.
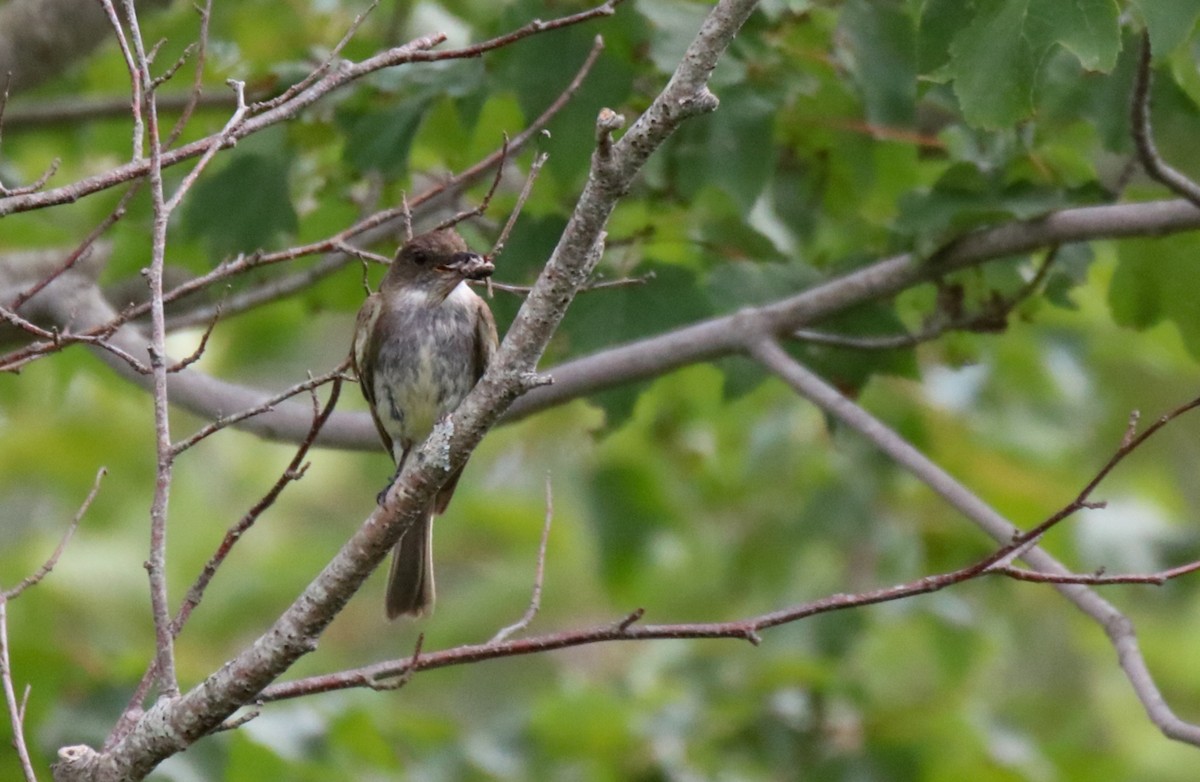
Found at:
<point>419,257</point>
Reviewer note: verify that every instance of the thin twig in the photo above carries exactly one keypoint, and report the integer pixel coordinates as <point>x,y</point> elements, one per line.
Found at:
<point>992,317</point>
<point>1096,579</point>
<point>195,594</point>
<point>333,376</point>
<point>418,50</point>
<point>627,629</point>
<point>184,363</point>
<point>81,251</point>
<point>16,711</point>
<point>36,185</point>
<point>535,168</point>
<point>1143,134</point>
<point>539,574</point>
<point>293,472</point>
<point>156,562</point>
<point>1017,543</point>
<point>197,90</point>
<point>274,290</point>
<point>48,565</point>
<point>597,285</point>
<point>487,198</point>
<point>237,722</point>
<point>321,69</point>
<point>52,341</point>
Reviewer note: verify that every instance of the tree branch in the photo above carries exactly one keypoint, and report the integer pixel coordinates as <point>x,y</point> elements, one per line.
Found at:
<point>1118,627</point>
<point>342,73</point>
<point>169,726</point>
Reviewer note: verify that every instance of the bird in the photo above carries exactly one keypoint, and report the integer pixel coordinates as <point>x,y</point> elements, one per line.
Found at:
<point>421,343</point>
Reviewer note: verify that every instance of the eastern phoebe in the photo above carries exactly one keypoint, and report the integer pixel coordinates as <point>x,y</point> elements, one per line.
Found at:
<point>420,344</point>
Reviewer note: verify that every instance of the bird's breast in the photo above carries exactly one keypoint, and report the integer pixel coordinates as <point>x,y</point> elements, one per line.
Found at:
<point>424,362</point>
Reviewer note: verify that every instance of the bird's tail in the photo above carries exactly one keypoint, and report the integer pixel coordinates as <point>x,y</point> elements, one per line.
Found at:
<point>410,582</point>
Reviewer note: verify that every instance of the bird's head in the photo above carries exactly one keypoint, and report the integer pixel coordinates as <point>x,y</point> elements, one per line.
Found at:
<point>437,259</point>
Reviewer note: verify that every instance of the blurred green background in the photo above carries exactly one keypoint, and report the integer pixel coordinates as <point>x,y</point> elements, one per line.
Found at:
<point>847,131</point>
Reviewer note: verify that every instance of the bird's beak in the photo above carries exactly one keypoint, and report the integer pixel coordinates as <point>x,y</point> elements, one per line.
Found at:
<point>469,266</point>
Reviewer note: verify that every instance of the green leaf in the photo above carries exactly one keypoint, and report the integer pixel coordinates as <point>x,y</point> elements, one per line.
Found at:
<point>729,149</point>
<point>380,140</point>
<point>940,22</point>
<point>245,206</point>
<point>600,319</point>
<point>879,40</point>
<point>1089,29</point>
<point>1169,22</point>
<point>995,59</point>
<point>1154,281</point>
<point>673,24</point>
<point>627,506</point>
<point>966,197</point>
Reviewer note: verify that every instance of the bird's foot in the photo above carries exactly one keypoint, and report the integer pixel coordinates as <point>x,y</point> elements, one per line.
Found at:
<point>383,493</point>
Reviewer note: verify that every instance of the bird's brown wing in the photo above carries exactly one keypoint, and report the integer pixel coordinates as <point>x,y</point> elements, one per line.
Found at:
<point>486,339</point>
<point>486,342</point>
<point>363,353</point>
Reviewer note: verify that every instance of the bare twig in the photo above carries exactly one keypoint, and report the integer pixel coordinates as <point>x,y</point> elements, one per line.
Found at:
<point>136,81</point>
<point>197,90</point>
<point>417,50</point>
<point>539,574</point>
<point>195,594</point>
<point>321,69</point>
<point>293,472</point>
<point>1143,134</point>
<point>240,720</point>
<point>187,361</point>
<point>483,205</point>
<point>16,711</point>
<point>362,255</point>
<point>1017,543</point>
<point>748,629</point>
<point>334,376</point>
<point>993,316</point>
<point>48,565</point>
<point>1096,579</point>
<point>36,185</point>
<point>77,109</point>
<point>370,229</point>
<point>141,79</point>
<point>597,285</point>
<point>80,251</point>
<point>53,340</point>
<point>535,168</point>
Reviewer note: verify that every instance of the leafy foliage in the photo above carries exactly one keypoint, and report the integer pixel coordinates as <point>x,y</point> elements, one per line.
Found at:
<point>848,131</point>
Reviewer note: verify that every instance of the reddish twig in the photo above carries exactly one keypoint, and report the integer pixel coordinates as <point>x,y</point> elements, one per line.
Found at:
<point>195,594</point>
<point>321,69</point>
<point>80,251</point>
<point>54,341</point>
<point>476,211</point>
<point>417,50</point>
<point>334,376</point>
<point>628,630</point>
